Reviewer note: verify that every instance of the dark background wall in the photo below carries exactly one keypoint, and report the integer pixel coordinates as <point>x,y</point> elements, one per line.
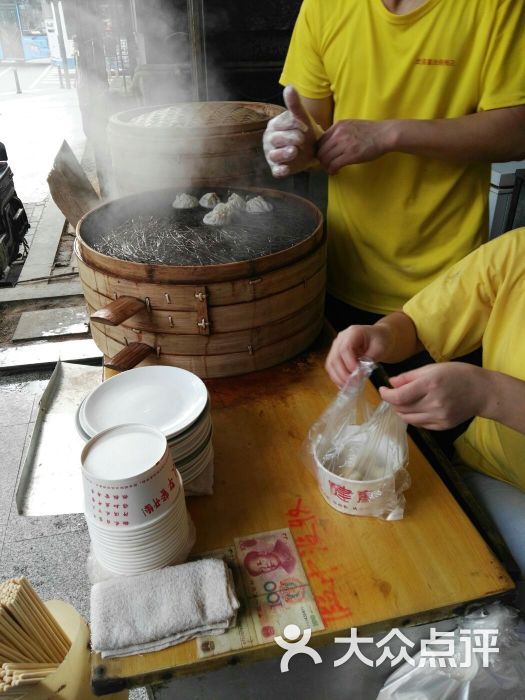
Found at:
<point>246,43</point>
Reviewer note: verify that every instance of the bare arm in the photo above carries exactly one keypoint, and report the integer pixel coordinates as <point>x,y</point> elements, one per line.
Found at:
<point>444,395</point>
<point>504,400</point>
<point>320,110</point>
<point>491,136</point>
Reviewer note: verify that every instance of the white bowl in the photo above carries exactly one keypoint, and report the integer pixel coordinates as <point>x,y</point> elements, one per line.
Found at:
<point>170,539</point>
<point>168,545</point>
<point>124,557</point>
<point>173,552</point>
<point>128,476</point>
<point>168,398</point>
<point>355,497</point>
<point>146,527</point>
<point>138,537</point>
<point>148,541</point>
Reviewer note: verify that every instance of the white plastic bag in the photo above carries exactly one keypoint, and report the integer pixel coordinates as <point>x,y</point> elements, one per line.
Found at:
<point>477,670</point>
<point>359,453</point>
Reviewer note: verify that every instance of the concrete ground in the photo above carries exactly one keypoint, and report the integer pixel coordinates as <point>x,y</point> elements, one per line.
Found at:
<point>50,551</point>
<point>33,125</point>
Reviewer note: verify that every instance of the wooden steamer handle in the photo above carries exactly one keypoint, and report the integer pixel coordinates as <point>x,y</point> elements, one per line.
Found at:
<point>117,311</point>
<point>129,357</point>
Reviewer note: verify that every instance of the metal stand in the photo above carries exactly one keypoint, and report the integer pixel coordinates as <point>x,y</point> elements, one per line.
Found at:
<point>198,49</point>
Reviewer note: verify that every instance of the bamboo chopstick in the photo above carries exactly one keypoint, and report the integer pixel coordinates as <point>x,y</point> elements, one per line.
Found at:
<point>32,643</point>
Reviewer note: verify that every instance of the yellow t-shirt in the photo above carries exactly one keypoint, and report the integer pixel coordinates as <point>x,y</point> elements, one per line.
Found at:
<point>481,300</point>
<point>397,222</point>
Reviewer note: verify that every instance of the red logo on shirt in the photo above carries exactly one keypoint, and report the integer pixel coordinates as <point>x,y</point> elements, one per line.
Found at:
<point>436,61</point>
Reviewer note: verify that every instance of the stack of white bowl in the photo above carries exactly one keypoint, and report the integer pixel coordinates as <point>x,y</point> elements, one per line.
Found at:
<point>134,501</point>
<point>171,399</point>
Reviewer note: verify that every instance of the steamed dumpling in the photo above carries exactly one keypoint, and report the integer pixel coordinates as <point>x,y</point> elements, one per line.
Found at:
<point>209,200</point>
<point>258,205</point>
<point>219,215</point>
<point>235,201</point>
<point>185,201</point>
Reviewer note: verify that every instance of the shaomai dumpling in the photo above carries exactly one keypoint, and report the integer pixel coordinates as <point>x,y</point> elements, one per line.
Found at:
<point>220,215</point>
<point>185,201</point>
<point>209,200</point>
<point>235,201</point>
<point>258,205</point>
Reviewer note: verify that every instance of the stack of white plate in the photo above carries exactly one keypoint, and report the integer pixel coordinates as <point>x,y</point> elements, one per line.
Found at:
<point>134,501</point>
<point>170,399</point>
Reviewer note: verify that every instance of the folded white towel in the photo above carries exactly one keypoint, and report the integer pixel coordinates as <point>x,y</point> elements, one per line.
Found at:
<point>162,607</point>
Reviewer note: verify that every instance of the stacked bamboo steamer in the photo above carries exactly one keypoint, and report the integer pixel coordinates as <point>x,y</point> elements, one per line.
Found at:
<point>214,320</point>
<point>189,143</point>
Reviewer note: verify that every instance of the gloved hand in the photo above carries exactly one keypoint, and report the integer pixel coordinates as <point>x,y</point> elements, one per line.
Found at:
<point>290,139</point>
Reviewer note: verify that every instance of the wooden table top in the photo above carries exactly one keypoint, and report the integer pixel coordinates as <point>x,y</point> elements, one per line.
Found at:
<point>364,572</point>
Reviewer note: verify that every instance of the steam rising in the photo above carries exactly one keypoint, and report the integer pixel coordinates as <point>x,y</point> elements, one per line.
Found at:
<point>159,74</point>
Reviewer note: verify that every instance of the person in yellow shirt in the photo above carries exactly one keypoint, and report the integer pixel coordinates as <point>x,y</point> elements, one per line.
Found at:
<point>405,103</point>
<point>478,301</point>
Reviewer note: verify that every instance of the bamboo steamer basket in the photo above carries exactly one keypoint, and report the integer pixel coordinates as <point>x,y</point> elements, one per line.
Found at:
<point>189,143</point>
<point>214,320</point>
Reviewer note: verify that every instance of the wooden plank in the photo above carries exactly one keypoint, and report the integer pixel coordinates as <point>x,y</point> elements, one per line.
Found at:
<point>43,249</point>
<point>70,187</point>
<point>365,573</point>
<point>71,320</point>
<point>117,311</point>
<point>129,357</point>
<point>46,353</point>
<point>41,291</point>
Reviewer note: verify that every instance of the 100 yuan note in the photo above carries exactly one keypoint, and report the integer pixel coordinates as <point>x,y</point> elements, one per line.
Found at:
<point>277,587</point>
<point>270,563</point>
<point>272,589</point>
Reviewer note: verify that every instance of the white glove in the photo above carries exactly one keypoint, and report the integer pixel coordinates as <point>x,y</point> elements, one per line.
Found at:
<point>290,138</point>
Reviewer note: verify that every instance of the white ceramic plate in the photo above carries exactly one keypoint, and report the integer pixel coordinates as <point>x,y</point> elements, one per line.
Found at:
<point>78,424</point>
<point>167,398</point>
<point>198,465</point>
<point>183,458</point>
<point>188,480</point>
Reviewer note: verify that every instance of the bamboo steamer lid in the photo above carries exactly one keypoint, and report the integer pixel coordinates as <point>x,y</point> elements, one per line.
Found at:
<point>212,117</point>
<point>189,143</point>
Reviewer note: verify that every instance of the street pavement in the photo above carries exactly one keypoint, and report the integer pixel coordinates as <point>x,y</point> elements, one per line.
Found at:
<point>34,123</point>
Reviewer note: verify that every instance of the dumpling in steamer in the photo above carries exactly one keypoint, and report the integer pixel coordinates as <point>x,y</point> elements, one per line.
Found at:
<point>185,201</point>
<point>209,200</point>
<point>235,201</point>
<point>219,215</point>
<point>258,205</point>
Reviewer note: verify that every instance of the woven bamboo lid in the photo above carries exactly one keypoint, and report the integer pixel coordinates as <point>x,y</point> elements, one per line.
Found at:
<point>209,117</point>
